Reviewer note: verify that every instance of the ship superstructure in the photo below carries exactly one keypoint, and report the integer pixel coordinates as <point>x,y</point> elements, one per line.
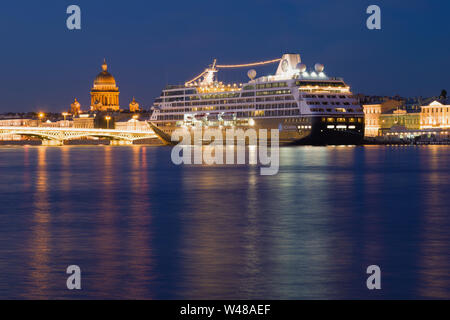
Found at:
<point>307,106</point>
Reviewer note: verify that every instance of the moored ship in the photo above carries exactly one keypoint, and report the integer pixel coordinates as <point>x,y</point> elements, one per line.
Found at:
<point>306,106</point>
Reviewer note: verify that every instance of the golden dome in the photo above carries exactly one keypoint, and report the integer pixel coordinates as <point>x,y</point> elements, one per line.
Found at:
<point>104,77</point>
<point>134,106</point>
<point>76,103</point>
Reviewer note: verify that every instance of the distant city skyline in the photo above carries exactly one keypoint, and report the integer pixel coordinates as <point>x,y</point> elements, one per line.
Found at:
<point>44,66</point>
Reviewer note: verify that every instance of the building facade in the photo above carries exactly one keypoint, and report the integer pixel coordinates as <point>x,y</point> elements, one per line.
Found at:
<point>399,119</point>
<point>435,115</point>
<point>84,121</point>
<point>19,123</point>
<point>133,125</point>
<point>372,115</point>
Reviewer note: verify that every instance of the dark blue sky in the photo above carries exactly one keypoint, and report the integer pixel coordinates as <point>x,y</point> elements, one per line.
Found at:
<point>149,43</point>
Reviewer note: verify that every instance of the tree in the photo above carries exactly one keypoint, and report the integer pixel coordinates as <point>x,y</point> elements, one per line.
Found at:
<point>444,94</point>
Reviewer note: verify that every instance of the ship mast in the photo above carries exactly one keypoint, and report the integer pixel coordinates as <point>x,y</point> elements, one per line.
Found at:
<point>209,73</point>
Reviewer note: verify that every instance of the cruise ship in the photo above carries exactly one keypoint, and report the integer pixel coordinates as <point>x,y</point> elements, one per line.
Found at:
<point>305,105</point>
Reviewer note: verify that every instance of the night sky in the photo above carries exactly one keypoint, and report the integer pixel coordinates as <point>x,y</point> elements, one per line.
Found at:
<point>148,44</point>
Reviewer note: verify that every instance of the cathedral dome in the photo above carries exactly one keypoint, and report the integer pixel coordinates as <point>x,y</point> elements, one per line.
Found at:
<point>105,93</point>
<point>104,77</point>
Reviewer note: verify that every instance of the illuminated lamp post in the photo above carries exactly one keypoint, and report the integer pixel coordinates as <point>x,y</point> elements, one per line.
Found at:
<point>41,116</point>
<point>107,121</point>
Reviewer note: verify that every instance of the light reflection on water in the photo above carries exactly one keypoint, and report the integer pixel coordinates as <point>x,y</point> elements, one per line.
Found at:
<point>141,227</point>
<point>435,262</point>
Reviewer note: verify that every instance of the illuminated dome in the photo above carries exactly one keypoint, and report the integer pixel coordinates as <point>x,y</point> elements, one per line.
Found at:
<point>76,103</point>
<point>105,93</point>
<point>104,77</point>
<point>75,107</point>
<point>134,106</point>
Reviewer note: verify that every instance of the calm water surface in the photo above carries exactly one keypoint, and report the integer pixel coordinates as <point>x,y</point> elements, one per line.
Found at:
<point>141,227</point>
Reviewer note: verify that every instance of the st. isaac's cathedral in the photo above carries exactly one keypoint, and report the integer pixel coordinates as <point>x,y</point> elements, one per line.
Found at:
<point>104,93</point>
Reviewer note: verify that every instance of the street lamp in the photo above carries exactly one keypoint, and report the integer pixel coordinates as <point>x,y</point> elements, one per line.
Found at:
<point>65,114</point>
<point>41,116</point>
<point>107,121</point>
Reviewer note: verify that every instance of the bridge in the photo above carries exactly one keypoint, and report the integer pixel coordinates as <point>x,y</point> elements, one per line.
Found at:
<point>56,135</point>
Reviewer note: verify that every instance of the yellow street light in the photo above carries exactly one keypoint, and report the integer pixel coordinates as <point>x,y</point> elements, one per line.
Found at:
<point>65,114</point>
<point>107,121</point>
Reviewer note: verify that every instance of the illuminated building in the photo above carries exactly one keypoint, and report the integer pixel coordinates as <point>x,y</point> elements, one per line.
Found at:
<point>84,121</point>
<point>75,108</point>
<point>105,93</point>
<point>400,119</point>
<point>134,106</point>
<point>435,115</point>
<point>132,125</point>
<point>373,112</point>
<point>18,123</point>
<point>413,121</point>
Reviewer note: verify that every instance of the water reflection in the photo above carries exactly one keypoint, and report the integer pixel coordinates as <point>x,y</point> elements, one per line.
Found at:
<point>433,266</point>
<point>210,246</point>
<point>107,241</point>
<point>253,253</point>
<point>27,183</point>
<point>141,227</point>
<point>39,244</point>
<point>372,223</point>
<point>139,265</point>
<point>301,200</point>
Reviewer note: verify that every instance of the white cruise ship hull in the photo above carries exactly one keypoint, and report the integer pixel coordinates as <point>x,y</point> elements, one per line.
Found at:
<point>292,130</point>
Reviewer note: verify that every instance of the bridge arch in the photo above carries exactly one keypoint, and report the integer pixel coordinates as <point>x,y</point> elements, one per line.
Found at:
<point>61,134</point>
<point>97,135</point>
<point>41,135</point>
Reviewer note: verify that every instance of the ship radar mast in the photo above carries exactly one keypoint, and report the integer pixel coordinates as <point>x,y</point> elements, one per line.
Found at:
<point>209,74</point>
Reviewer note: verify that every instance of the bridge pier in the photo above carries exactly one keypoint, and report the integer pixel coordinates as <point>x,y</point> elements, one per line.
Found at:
<point>120,142</point>
<point>52,142</point>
